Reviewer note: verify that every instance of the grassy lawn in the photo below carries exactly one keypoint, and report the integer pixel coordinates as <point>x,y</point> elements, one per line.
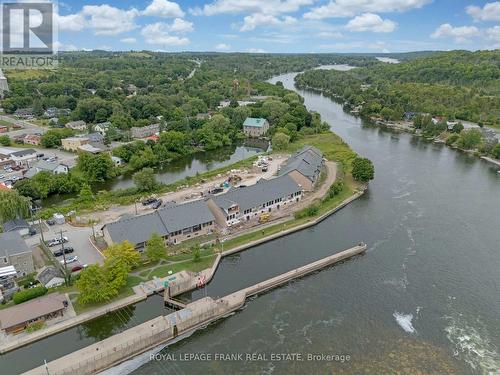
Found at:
<point>203,263</point>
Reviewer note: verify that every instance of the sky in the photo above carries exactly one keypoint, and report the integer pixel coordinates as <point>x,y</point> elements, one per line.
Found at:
<point>284,26</point>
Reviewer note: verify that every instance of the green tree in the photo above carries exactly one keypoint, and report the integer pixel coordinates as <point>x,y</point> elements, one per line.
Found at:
<point>196,252</point>
<point>457,128</point>
<point>155,247</point>
<point>145,179</point>
<point>98,167</point>
<point>362,169</point>
<point>280,141</point>
<point>13,205</point>
<point>86,194</point>
<point>124,250</point>
<point>495,152</point>
<point>93,285</point>
<point>470,139</point>
<point>4,140</point>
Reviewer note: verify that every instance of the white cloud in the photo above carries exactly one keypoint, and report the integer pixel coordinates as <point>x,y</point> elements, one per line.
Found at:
<point>128,40</point>
<point>71,22</point>
<point>258,19</point>
<point>490,12</point>
<point>159,33</point>
<point>460,34</point>
<point>329,35</point>
<point>108,20</point>
<point>269,7</point>
<point>181,26</point>
<point>222,47</point>
<point>350,8</point>
<point>256,50</point>
<point>493,33</point>
<point>163,8</point>
<point>64,47</point>
<point>371,22</point>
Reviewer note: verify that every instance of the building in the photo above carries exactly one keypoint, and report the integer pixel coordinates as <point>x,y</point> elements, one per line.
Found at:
<point>245,203</point>
<point>8,285</point>
<point>50,277</point>
<point>95,137</point>
<point>304,167</point>
<point>102,127</point>
<point>255,127</point>
<point>15,252</point>
<point>17,318</point>
<point>42,165</point>
<point>24,157</point>
<point>90,148</point>
<point>20,226</point>
<point>174,222</point>
<point>224,104</point>
<point>33,139</point>
<point>4,129</point>
<point>6,161</point>
<point>74,143</point>
<point>24,113</point>
<point>145,131</point>
<point>79,125</point>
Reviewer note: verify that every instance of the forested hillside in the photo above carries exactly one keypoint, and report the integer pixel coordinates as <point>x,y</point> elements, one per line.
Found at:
<point>459,84</point>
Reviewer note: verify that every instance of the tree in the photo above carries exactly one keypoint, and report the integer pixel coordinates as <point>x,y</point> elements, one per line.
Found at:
<point>280,141</point>
<point>124,250</point>
<point>13,205</point>
<point>4,140</point>
<point>495,152</point>
<point>98,167</point>
<point>86,194</point>
<point>145,179</point>
<point>457,128</point>
<point>362,169</point>
<point>195,250</point>
<point>94,286</point>
<point>155,247</point>
<point>470,139</point>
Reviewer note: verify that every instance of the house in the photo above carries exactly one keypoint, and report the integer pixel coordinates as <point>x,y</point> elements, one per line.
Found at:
<point>255,127</point>
<point>224,104</point>
<point>24,157</point>
<point>42,165</point>
<point>33,139</point>
<point>17,318</point>
<point>8,285</point>
<point>95,137</point>
<point>174,222</point>
<point>6,161</point>
<point>4,129</point>
<point>25,113</point>
<point>246,203</point>
<point>102,127</point>
<point>20,226</point>
<point>203,116</point>
<point>50,277</point>
<point>74,143</point>
<point>15,252</point>
<point>19,138</point>
<point>244,103</point>
<point>90,148</point>
<point>304,167</point>
<point>145,131</point>
<point>79,125</point>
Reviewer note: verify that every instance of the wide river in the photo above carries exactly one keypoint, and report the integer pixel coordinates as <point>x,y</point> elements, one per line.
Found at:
<point>425,299</point>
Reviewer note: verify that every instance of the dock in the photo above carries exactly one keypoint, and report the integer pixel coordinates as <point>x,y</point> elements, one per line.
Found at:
<point>164,329</point>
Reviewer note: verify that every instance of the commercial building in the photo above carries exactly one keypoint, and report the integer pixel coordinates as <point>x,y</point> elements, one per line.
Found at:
<point>255,127</point>
<point>15,252</point>
<point>74,143</point>
<point>304,167</point>
<point>174,222</point>
<point>245,203</point>
<point>19,317</point>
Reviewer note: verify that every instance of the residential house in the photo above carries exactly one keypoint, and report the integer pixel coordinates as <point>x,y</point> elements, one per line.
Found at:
<point>8,285</point>
<point>74,143</point>
<point>42,165</point>
<point>6,161</point>
<point>79,125</point>
<point>15,252</point>
<point>255,127</point>
<point>145,131</point>
<point>50,277</point>
<point>4,129</point>
<point>102,127</point>
<point>224,104</point>
<point>245,203</point>
<point>304,167</point>
<point>17,318</point>
<point>25,113</point>
<point>174,222</point>
<point>33,139</point>
<point>24,157</point>
<point>96,137</point>
<point>90,148</point>
<point>20,226</point>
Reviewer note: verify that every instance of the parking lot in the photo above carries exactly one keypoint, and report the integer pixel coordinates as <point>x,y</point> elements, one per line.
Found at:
<point>78,239</point>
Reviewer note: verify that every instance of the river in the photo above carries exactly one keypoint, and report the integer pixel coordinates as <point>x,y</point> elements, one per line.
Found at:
<point>424,299</point>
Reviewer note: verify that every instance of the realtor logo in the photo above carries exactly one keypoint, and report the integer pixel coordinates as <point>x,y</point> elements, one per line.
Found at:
<point>28,33</point>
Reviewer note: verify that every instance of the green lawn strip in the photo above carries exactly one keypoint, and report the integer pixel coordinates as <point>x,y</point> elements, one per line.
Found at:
<point>204,263</point>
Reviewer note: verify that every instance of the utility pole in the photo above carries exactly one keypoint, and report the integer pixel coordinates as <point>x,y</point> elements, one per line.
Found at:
<point>66,275</point>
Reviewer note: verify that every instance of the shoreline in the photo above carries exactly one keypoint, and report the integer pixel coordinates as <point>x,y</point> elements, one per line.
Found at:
<point>154,286</point>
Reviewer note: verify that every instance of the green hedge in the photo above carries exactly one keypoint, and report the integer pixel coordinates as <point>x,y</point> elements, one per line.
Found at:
<point>27,294</point>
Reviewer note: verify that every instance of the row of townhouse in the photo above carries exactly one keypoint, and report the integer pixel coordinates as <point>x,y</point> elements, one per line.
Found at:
<point>179,222</point>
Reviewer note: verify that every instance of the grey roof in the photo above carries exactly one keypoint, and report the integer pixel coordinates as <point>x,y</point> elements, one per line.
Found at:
<point>168,219</point>
<point>307,161</point>
<point>15,224</point>
<point>22,153</point>
<point>11,243</point>
<point>47,274</point>
<point>255,195</point>
<point>95,137</point>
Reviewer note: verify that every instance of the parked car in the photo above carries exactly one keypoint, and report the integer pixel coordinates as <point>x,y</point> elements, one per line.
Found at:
<point>67,250</point>
<point>40,155</point>
<point>70,260</point>
<point>57,241</point>
<point>51,222</point>
<point>2,176</point>
<point>148,201</point>
<point>156,204</point>
<point>32,231</point>
<point>77,268</point>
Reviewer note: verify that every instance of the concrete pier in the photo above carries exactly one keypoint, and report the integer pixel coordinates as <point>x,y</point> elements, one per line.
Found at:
<point>134,341</point>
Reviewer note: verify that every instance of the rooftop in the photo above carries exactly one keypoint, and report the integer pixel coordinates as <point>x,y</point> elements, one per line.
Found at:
<point>11,225</point>
<point>11,243</point>
<point>307,161</point>
<point>22,153</point>
<point>256,122</point>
